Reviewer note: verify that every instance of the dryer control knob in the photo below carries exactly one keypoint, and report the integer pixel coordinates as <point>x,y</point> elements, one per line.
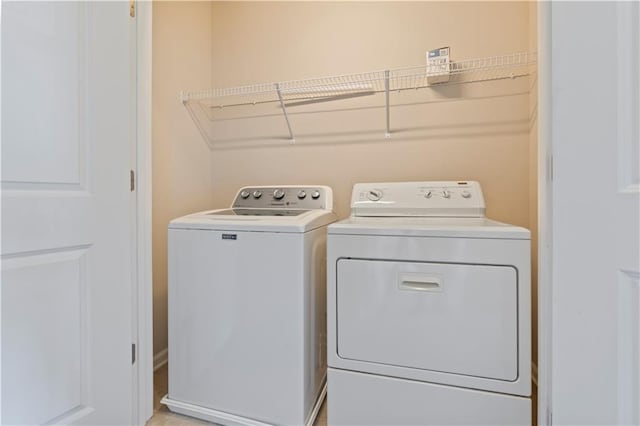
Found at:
<point>257,194</point>
<point>302,194</point>
<point>278,194</point>
<point>466,194</point>
<point>374,194</point>
<point>428,194</point>
<point>446,194</point>
<point>245,194</point>
<point>315,194</point>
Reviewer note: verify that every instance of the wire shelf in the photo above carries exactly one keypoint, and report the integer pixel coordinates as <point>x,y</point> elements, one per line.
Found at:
<point>492,68</point>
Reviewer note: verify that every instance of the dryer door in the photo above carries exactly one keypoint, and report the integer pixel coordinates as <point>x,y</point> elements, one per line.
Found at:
<point>451,318</point>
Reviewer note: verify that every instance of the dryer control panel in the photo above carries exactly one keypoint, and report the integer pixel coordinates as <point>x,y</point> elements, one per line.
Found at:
<point>284,196</point>
<point>420,199</point>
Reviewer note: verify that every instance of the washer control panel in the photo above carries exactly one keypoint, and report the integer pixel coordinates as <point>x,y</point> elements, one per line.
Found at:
<point>284,196</point>
<point>432,198</point>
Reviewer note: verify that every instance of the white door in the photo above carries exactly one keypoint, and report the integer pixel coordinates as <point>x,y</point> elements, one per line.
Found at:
<point>67,127</point>
<point>595,140</point>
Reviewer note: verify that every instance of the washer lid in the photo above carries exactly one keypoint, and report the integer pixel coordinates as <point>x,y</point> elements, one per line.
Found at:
<point>452,227</point>
<point>266,221</point>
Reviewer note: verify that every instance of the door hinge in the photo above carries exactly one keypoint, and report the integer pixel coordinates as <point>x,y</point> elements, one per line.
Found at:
<point>132,8</point>
<point>132,177</point>
<point>133,353</point>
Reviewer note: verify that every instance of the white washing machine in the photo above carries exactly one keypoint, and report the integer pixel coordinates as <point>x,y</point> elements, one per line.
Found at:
<point>428,310</point>
<point>247,308</point>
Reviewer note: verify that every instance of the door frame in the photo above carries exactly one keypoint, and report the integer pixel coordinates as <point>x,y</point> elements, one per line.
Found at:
<point>144,397</point>
<point>0,209</point>
<point>545,215</point>
<point>143,290</point>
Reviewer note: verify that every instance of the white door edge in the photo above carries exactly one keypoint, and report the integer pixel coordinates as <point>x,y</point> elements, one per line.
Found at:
<point>143,400</point>
<point>545,209</point>
<point>0,211</point>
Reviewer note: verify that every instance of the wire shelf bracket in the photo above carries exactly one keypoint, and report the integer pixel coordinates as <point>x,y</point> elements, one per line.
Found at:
<point>387,104</point>
<point>284,111</point>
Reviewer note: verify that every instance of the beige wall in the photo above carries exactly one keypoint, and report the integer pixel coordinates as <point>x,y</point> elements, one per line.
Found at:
<point>485,139</point>
<point>181,161</point>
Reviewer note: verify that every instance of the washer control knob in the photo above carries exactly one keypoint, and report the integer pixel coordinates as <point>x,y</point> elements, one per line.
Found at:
<point>245,194</point>
<point>374,194</point>
<point>301,194</point>
<point>446,194</point>
<point>278,194</point>
<point>315,194</point>
<point>428,194</point>
<point>466,194</point>
<point>257,194</point>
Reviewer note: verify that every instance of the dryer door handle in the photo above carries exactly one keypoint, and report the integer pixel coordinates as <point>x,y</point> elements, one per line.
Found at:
<point>418,282</point>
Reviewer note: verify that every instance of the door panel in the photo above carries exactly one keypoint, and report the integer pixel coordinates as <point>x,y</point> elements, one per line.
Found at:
<point>628,97</point>
<point>66,212</point>
<point>47,314</point>
<point>452,318</point>
<point>46,78</point>
<point>628,348</point>
<point>628,211</point>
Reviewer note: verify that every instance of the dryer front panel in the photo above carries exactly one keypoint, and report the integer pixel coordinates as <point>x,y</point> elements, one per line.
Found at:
<point>451,318</point>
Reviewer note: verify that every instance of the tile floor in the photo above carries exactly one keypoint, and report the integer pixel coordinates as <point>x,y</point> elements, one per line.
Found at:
<point>163,417</point>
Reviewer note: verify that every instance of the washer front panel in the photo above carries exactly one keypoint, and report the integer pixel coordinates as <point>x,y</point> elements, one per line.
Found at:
<point>238,305</point>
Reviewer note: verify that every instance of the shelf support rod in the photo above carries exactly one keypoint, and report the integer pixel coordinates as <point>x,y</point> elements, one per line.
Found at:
<point>387,135</point>
<point>284,110</point>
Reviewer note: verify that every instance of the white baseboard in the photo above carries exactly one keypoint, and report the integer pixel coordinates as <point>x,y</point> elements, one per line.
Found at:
<point>160,359</point>
<point>534,373</point>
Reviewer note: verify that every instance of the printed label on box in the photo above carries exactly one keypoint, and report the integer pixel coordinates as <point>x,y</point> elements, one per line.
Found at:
<point>438,65</point>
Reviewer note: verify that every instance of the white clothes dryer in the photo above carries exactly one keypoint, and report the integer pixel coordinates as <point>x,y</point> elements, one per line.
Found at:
<point>247,308</point>
<point>428,310</point>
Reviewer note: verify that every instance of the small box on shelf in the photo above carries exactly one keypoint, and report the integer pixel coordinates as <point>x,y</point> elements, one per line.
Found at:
<point>438,65</point>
